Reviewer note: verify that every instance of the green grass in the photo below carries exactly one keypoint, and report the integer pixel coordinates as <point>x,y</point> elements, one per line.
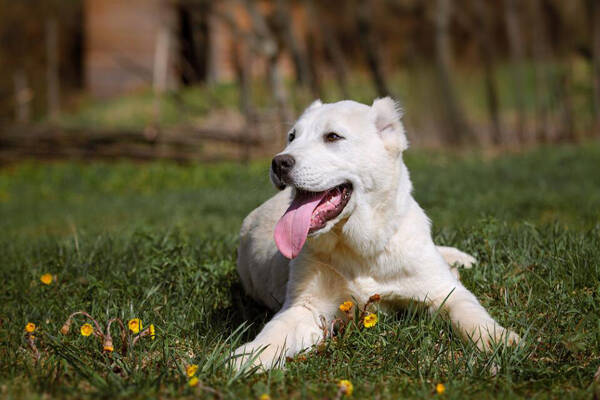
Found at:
<point>158,241</point>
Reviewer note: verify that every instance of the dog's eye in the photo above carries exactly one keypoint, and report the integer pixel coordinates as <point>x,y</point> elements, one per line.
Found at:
<point>332,137</point>
<point>292,136</point>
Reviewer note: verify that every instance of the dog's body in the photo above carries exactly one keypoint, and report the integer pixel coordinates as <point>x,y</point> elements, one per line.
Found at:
<point>350,192</point>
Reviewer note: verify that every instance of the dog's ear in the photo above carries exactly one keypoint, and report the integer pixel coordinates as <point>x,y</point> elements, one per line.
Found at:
<point>314,105</point>
<point>387,115</point>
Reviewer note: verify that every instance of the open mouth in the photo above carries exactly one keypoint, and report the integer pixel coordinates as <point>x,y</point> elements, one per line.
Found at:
<point>332,205</point>
<point>308,213</point>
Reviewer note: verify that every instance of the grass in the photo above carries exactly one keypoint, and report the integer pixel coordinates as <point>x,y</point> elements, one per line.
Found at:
<point>158,241</point>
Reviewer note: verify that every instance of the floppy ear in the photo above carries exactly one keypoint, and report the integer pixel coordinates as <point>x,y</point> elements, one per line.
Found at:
<point>387,115</point>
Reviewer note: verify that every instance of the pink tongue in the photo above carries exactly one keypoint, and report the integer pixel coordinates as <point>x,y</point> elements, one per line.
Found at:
<point>292,228</point>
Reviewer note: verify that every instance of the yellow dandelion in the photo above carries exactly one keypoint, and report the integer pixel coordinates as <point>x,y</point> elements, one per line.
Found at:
<point>86,330</point>
<point>440,388</point>
<point>346,306</point>
<point>30,327</point>
<point>193,382</point>
<point>264,397</point>
<point>46,279</point>
<point>370,320</point>
<point>191,370</point>
<point>346,386</point>
<point>109,348</point>
<point>152,332</point>
<point>135,325</point>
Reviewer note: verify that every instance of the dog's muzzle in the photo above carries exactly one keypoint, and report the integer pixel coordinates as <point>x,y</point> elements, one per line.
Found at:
<point>281,166</point>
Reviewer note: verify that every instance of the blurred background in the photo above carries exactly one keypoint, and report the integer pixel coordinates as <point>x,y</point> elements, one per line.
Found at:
<point>205,80</point>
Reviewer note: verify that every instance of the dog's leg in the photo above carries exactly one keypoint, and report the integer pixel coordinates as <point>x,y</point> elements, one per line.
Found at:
<point>466,313</point>
<point>434,284</point>
<point>454,256</point>
<point>312,293</point>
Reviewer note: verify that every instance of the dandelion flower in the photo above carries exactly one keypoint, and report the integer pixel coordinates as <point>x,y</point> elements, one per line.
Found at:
<point>346,387</point>
<point>86,330</point>
<point>109,348</point>
<point>46,279</point>
<point>30,327</point>
<point>191,370</point>
<point>346,306</point>
<point>440,388</point>
<point>370,320</point>
<point>135,325</point>
<point>193,382</point>
<point>152,332</point>
<point>264,397</point>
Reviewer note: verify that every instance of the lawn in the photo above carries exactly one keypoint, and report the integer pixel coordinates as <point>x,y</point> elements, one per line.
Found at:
<point>157,241</point>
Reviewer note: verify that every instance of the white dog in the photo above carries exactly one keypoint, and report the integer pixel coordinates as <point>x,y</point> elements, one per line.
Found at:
<point>352,229</point>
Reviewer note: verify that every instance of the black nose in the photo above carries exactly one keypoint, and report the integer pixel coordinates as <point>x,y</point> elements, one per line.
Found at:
<point>282,165</point>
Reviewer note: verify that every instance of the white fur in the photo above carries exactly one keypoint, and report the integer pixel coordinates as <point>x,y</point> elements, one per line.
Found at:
<point>380,243</point>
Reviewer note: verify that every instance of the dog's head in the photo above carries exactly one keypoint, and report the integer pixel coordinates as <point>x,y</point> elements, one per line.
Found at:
<point>343,162</point>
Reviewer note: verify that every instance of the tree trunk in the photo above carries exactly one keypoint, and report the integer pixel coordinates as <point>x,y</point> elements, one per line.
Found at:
<point>332,47</point>
<point>285,26</point>
<point>313,58</point>
<point>23,97</point>
<point>596,62</point>
<point>456,128</point>
<point>242,68</point>
<point>564,91</point>
<point>541,76</point>
<point>369,46</point>
<point>52,69</point>
<point>517,55</point>
<point>486,49</point>
<point>267,45</point>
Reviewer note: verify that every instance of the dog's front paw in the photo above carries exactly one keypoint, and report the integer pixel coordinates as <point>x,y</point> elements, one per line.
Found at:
<point>260,355</point>
<point>486,337</point>
<point>455,257</point>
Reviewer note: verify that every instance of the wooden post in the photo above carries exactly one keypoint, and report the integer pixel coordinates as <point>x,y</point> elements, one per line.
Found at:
<point>52,69</point>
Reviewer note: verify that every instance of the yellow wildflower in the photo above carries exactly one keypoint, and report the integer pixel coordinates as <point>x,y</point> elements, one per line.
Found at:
<point>46,279</point>
<point>191,370</point>
<point>440,388</point>
<point>135,325</point>
<point>109,348</point>
<point>30,327</point>
<point>346,306</point>
<point>370,320</point>
<point>152,332</point>
<point>264,397</point>
<point>86,330</point>
<point>193,382</point>
<point>346,387</point>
